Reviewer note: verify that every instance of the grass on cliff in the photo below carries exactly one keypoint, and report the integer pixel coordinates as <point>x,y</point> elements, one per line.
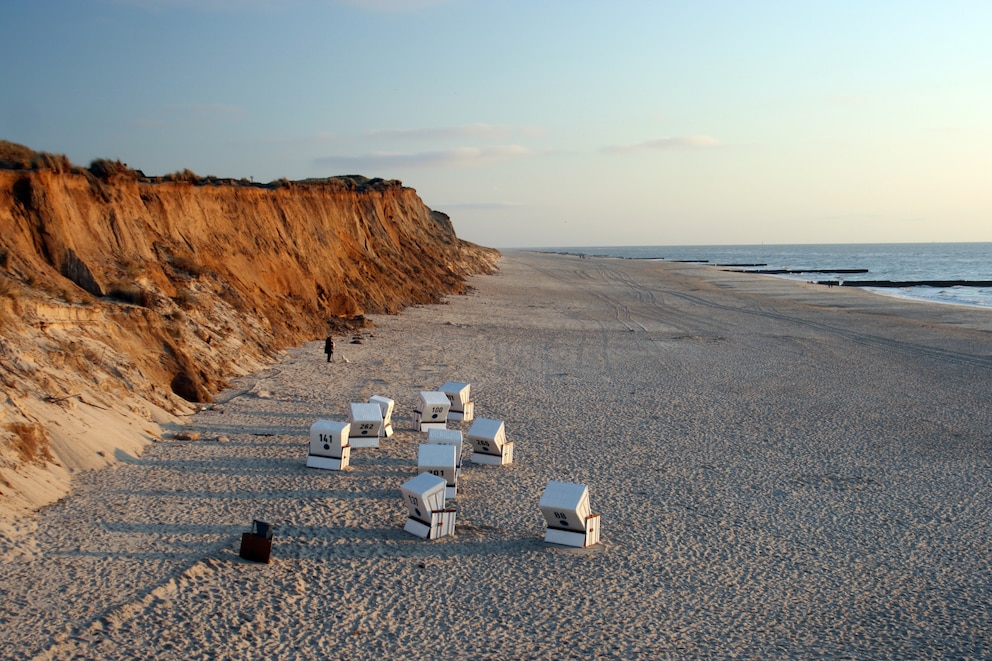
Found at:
<point>102,168</point>
<point>9,288</point>
<point>188,265</point>
<point>29,441</point>
<point>131,293</point>
<point>18,157</point>
<point>8,291</point>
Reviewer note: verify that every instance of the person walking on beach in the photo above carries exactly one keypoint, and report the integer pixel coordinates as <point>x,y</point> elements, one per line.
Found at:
<point>329,347</point>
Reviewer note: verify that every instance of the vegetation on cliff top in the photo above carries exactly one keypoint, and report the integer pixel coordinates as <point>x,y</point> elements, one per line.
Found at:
<point>14,156</point>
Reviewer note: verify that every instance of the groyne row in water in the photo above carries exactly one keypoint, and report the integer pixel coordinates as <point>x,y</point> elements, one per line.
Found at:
<point>796,271</point>
<point>894,284</point>
<point>906,283</point>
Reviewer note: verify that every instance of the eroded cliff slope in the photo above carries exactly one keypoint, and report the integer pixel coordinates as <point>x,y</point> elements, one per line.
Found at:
<point>124,300</point>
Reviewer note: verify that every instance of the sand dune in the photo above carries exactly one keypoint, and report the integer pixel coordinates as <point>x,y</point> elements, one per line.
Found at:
<point>782,471</point>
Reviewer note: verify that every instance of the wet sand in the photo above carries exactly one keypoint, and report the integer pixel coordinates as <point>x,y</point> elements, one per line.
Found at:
<point>782,470</point>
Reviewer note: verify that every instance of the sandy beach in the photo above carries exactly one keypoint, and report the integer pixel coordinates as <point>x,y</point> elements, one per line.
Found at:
<point>783,471</point>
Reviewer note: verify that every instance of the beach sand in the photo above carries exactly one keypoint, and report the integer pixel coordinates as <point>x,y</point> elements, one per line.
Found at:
<point>783,471</point>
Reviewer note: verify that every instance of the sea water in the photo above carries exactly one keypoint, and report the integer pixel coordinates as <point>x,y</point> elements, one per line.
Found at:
<point>900,262</point>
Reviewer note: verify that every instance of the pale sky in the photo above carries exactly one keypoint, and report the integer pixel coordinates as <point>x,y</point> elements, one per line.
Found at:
<point>541,122</point>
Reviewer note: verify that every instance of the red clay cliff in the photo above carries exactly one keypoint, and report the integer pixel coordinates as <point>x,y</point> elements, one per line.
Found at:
<point>115,287</point>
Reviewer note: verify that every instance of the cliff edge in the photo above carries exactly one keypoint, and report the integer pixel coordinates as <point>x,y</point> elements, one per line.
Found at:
<point>126,300</point>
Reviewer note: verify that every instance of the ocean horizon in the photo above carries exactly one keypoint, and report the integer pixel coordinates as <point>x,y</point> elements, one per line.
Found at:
<point>845,263</point>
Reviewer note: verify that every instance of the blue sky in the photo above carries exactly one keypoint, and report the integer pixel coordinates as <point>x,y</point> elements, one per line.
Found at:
<point>541,122</point>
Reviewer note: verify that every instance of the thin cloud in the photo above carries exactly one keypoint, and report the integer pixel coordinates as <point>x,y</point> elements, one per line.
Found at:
<point>664,144</point>
<point>459,157</point>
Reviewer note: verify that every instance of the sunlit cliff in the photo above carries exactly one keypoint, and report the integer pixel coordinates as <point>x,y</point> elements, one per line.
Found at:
<point>125,299</point>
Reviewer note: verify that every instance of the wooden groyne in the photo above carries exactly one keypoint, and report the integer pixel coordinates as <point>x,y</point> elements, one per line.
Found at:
<point>796,271</point>
<point>943,284</point>
<point>743,265</point>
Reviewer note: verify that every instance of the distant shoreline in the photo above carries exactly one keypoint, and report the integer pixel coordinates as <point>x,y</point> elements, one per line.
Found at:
<point>949,273</point>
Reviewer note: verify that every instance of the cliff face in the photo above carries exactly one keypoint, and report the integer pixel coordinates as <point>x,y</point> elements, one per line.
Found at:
<point>133,298</point>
